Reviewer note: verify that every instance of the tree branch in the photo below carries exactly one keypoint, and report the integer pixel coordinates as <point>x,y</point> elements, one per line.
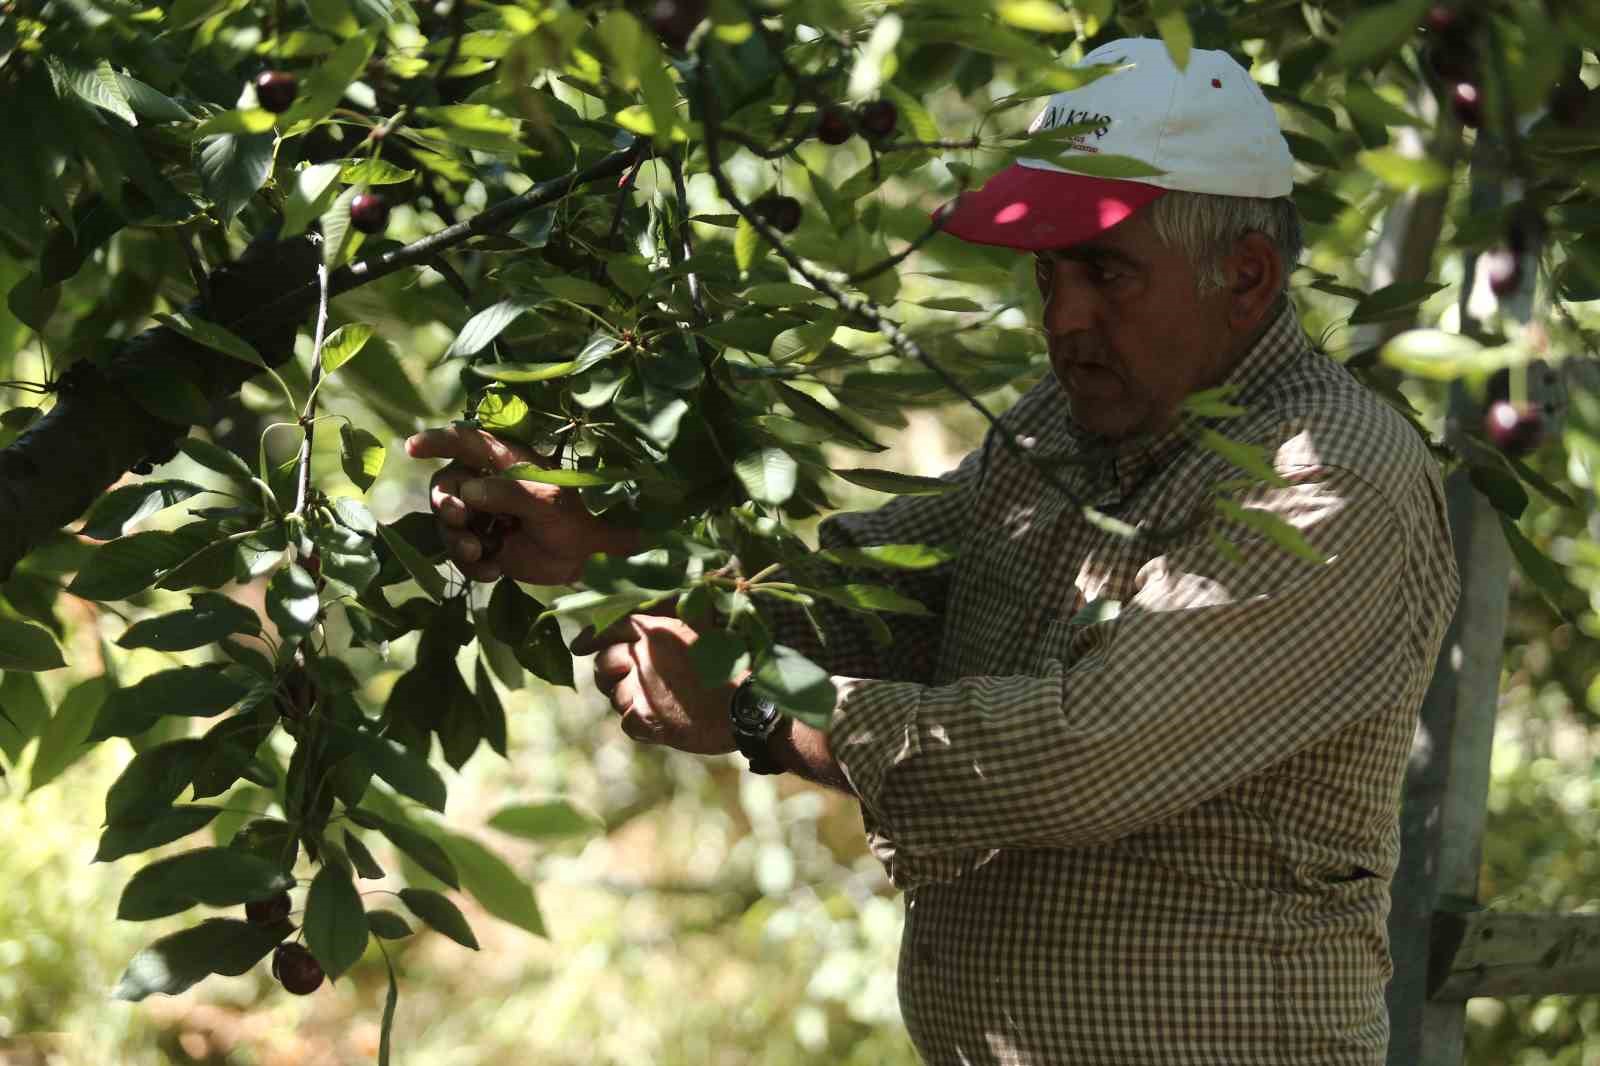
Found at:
<point>56,469</point>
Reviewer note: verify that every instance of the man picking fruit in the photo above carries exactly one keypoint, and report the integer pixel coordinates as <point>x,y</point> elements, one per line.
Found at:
<point>1140,793</point>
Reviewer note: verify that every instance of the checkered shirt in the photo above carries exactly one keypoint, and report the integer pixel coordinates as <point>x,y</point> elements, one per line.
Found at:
<point>1142,794</point>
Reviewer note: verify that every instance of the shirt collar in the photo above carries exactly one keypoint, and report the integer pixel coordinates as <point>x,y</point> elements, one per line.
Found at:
<point>1114,470</point>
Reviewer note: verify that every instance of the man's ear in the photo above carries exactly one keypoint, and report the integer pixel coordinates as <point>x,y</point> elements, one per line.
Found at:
<point>1254,271</point>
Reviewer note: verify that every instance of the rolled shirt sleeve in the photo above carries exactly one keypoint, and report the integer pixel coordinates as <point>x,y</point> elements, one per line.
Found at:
<point>1228,659</point>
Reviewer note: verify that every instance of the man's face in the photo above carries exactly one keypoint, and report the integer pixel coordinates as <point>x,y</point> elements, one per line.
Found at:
<point>1130,336</point>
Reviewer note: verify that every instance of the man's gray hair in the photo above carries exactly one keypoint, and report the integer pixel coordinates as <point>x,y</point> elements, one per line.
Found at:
<point>1205,226</point>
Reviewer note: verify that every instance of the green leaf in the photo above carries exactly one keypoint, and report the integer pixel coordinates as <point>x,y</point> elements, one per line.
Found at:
<point>492,713</point>
<point>439,914</point>
<point>312,192</point>
<point>335,923</point>
<point>374,171</point>
<point>1251,458</point>
<point>387,925</point>
<point>25,646</point>
<point>1403,172</point>
<point>162,827</point>
<point>361,455</point>
<point>746,241</point>
<point>871,598</point>
<point>187,691</point>
<point>219,460</point>
<point>813,412</point>
<point>494,885</point>
<point>541,821</point>
<point>408,774</point>
<point>797,685</point>
<point>217,877</point>
<point>23,712</point>
<point>292,601</point>
<point>897,483</point>
<point>485,326</point>
<point>768,475</point>
<point>245,120</point>
<point>1433,353</point>
<point>210,617</point>
<point>177,962</point>
<point>514,619</point>
<point>889,556</point>
<point>420,848</point>
<point>1544,573</point>
<point>1393,301</point>
<point>361,858</point>
<point>1104,165</point>
<point>110,515</point>
<point>424,572</point>
<point>151,103</point>
<point>343,345</point>
<point>99,86</point>
<point>322,88</point>
<point>152,780</point>
<point>780,294</point>
<point>1273,528</point>
<point>524,372</point>
<point>232,167</point>
<point>575,289</point>
<point>62,742</point>
<point>120,568</point>
<point>566,478</point>
<point>1173,26</point>
<point>1376,32</point>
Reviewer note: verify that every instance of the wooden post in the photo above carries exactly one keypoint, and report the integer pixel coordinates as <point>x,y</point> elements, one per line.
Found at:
<point>1447,782</point>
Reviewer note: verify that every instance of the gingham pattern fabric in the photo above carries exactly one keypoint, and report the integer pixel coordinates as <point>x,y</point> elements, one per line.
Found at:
<point>1164,837</point>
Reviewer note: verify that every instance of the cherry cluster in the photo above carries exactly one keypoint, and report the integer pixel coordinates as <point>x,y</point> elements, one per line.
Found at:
<point>875,120</point>
<point>292,964</point>
<point>1452,55</point>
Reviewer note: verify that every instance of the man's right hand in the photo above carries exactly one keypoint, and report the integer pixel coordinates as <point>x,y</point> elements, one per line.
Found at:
<point>553,533</point>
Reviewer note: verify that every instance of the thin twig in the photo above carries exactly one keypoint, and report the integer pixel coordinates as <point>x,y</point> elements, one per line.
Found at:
<point>895,260</point>
<point>625,188</point>
<point>453,278</point>
<point>197,269</point>
<point>686,236</point>
<point>308,421</point>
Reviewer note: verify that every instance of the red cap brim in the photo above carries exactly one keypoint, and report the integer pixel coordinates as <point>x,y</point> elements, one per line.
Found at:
<point>1032,209</point>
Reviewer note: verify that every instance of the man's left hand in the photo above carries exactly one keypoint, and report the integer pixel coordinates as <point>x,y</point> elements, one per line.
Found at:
<point>644,669</point>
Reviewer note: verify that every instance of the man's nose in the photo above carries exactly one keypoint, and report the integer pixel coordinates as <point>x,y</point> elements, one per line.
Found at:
<point>1071,303</point>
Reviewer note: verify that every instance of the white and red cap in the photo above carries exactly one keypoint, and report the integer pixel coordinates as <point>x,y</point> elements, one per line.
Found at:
<point>1208,128</point>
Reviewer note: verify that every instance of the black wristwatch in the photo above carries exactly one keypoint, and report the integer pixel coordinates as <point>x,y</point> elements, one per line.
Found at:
<point>754,718</point>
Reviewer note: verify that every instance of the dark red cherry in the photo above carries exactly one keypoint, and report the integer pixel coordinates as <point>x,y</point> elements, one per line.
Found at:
<point>878,119</point>
<point>369,212</point>
<point>1466,100</point>
<point>834,127</point>
<point>1504,270</point>
<point>1515,430</point>
<point>269,911</point>
<point>276,90</point>
<point>297,969</point>
<point>782,213</point>
<point>675,20</point>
